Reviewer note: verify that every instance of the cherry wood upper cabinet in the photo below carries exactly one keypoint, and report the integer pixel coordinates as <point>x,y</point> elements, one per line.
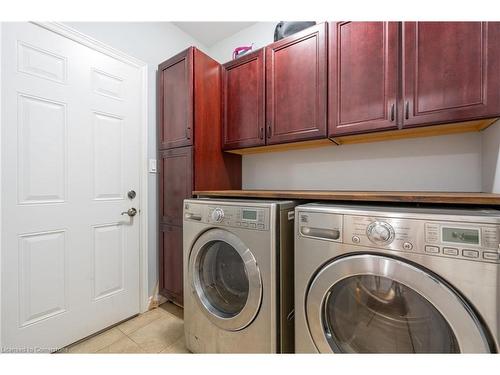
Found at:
<point>296,86</point>
<point>243,101</point>
<point>176,183</point>
<point>170,263</point>
<point>451,71</point>
<point>363,76</point>
<point>175,100</point>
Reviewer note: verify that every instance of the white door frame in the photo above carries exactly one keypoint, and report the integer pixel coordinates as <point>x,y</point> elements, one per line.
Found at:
<point>76,36</point>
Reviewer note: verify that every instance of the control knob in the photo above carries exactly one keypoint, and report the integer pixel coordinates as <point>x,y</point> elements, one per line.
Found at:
<point>218,215</point>
<point>380,232</point>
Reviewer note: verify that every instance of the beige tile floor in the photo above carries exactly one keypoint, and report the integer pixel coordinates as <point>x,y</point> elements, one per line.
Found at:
<point>157,331</point>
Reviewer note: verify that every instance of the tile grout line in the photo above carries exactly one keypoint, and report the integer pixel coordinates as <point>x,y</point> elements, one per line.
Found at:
<point>127,334</point>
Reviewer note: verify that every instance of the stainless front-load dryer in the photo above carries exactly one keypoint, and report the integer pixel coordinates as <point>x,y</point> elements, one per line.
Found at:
<point>396,280</point>
<point>238,276</point>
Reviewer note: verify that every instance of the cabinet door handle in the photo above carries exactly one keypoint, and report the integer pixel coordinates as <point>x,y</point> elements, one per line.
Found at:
<point>392,112</point>
<point>269,131</point>
<point>407,110</point>
<point>188,132</point>
<point>261,132</point>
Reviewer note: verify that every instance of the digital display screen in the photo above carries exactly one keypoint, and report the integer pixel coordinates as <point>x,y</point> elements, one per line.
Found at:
<point>460,235</point>
<point>249,215</point>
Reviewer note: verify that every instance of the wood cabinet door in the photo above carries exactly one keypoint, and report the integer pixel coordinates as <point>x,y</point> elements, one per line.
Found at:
<point>243,102</point>
<point>176,183</point>
<point>450,71</point>
<point>171,263</point>
<point>296,86</point>
<point>175,101</point>
<point>363,76</point>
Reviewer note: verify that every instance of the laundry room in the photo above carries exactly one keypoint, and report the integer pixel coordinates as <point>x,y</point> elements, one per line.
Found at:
<point>184,183</point>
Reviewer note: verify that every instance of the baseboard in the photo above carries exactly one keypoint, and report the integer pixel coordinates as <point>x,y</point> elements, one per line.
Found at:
<point>156,299</point>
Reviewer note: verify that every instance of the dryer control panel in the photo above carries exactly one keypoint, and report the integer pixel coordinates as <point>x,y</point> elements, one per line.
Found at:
<point>470,241</point>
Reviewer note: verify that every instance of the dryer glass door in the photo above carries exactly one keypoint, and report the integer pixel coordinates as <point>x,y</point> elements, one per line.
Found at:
<point>226,279</point>
<point>369,303</point>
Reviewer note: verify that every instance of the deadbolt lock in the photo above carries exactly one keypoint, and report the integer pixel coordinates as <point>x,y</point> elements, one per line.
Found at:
<point>131,194</point>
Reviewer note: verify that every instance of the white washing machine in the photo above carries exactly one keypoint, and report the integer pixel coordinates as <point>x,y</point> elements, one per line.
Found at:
<point>238,276</point>
<point>396,280</point>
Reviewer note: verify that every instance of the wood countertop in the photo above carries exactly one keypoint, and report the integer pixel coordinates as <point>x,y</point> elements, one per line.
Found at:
<point>366,196</point>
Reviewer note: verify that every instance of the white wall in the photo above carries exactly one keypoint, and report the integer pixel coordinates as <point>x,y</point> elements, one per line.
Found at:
<point>151,42</point>
<point>260,34</point>
<point>445,163</point>
<point>490,139</point>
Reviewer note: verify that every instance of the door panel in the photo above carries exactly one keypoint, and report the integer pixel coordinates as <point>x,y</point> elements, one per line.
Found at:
<point>175,101</point>
<point>108,257</point>
<point>42,126</point>
<point>243,93</point>
<point>171,274</point>
<point>70,261</point>
<point>43,292</point>
<point>296,86</point>
<point>176,183</point>
<point>108,155</point>
<point>450,71</point>
<point>363,76</point>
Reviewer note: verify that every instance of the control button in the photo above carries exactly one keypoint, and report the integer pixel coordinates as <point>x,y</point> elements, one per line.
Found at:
<point>380,232</point>
<point>450,251</point>
<point>218,215</point>
<point>470,253</point>
<point>355,239</point>
<point>432,249</point>
<point>252,225</point>
<point>408,246</point>
<point>260,226</point>
<point>491,256</point>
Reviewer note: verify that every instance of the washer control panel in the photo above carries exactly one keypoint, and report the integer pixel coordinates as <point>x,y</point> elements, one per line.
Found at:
<point>470,241</point>
<point>255,218</point>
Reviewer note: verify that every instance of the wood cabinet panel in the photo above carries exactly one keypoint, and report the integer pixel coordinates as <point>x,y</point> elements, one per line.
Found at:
<point>170,263</point>
<point>212,167</point>
<point>175,101</point>
<point>296,86</point>
<point>363,76</point>
<point>243,101</point>
<point>176,183</point>
<point>450,71</point>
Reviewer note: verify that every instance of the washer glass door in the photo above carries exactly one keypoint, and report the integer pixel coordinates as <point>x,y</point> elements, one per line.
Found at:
<point>368,303</point>
<point>223,278</point>
<point>373,314</point>
<point>226,279</point>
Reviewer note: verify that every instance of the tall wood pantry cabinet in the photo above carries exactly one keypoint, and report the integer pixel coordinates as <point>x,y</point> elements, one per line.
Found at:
<point>190,153</point>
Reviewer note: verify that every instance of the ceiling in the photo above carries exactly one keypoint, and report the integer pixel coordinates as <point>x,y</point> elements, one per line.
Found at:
<point>210,33</point>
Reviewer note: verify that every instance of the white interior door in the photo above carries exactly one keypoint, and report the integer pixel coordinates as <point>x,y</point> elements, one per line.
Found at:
<point>71,138</point>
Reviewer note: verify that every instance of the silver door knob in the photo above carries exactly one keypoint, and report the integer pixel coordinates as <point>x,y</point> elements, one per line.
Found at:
<point>130,212</point>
